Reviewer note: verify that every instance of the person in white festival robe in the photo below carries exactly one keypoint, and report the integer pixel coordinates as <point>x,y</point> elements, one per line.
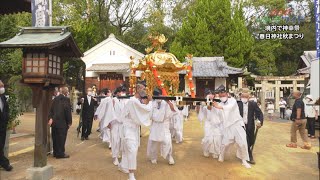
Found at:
<point>160,134</point>
<point>137,112</point>
<point>177,121</point>
<point>212,117</point>
<point>104,118</point>
<point>233,128</point>
<point>115,125</point>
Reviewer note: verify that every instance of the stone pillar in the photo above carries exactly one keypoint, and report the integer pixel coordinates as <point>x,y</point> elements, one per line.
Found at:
<point>239,82</point>
<point>277,95</point>
<point>294,83</point>
<point>263,95</point>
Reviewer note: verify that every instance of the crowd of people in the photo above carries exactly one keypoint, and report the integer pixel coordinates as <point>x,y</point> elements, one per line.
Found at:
<point>226,120</point>
<point>120,121</point>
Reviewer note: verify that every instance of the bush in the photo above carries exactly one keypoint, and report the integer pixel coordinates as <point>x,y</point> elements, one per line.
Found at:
<point>14,110</point>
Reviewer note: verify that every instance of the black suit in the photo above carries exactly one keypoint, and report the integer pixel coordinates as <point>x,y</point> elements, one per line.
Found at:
<point>60,113</point>
<point>254,112</point>
<point>87,116</point>
<point>4,118</point>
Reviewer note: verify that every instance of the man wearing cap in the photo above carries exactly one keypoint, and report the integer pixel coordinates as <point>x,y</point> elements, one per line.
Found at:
<point>137,112</point>
<point>249,110</point>
<point>233,128</point>
<point>299,122</point>
<point>212,117</point>
<point>312,115</point>
<point>160,134</point>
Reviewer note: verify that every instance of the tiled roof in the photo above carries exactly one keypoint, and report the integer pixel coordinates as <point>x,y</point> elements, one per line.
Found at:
<point>110,67</point>
<point>305,70</point>
<point>45,37</point>
<point>212,67</point>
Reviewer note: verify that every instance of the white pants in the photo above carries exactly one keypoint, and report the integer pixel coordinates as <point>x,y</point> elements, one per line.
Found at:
<point>159,135</point>
<point>212,143</point>
<point>235,134</point>
<point>105,134</point>
<point>130,147</point>
<point>178,129</point>
<point>115,139</point>
<point>153,149</point>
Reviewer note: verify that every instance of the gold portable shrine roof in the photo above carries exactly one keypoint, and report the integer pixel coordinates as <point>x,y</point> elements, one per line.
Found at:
<point>163,60</point>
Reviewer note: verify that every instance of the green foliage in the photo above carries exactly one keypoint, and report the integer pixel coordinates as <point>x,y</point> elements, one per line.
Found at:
<point>14,110</point>
<point>285,53</point>
<point>210,29</point>
<point>137,37</point>
<point>263,58</point>
<point>240,41</point>
<point>11,59</point>
<point>23,93</point>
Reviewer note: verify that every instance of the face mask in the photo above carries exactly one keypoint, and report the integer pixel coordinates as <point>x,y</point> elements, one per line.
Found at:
<point>89,93</point>
<point>158,100</point>
<point>244,100</point>
<point>224,99</point>
<point>2,90</point>
<point>122,94</point>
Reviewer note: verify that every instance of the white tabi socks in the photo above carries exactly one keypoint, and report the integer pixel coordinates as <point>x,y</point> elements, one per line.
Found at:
<point>115,161</point>
<point>221,158</point>
<point>206,154</point>
<point>246,164</point>
<point>131,176</point>
<point>154,161</point>
<point>171,160</point>
<point>215,156</point>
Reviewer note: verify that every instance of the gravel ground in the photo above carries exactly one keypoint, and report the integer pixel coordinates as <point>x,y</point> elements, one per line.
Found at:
<point>92,159</point>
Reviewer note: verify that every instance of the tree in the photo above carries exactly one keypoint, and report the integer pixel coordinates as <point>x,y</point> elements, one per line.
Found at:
<point>179,12</point>
<point>240,41</point>
<point>262,58</point>
<point>125,13</point>
<point>210,29</point>
<point>11,59</point>
<point>136,37</point>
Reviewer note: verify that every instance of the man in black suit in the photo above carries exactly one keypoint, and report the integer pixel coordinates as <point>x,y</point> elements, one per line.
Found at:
<point>4,118</point>
<point>60,119</point>
<point>249,110</point>
<point>89,102</point>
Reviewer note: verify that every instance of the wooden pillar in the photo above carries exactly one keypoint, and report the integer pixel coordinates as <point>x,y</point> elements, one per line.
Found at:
<point>41,101</point>
<point>277,95</point>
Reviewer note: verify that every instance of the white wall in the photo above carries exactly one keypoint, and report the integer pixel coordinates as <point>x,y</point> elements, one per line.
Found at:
<point>120,53</point>
<point>314,79</point>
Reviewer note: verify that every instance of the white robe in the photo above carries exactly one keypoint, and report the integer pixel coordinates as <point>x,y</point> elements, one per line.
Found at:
<point>105,118</point>
<point>177,122</point>
<point>159,131</point>
<point>135,114</point>
<point>211,142</point>
<point>233,131</point>
<point>117,125</point>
